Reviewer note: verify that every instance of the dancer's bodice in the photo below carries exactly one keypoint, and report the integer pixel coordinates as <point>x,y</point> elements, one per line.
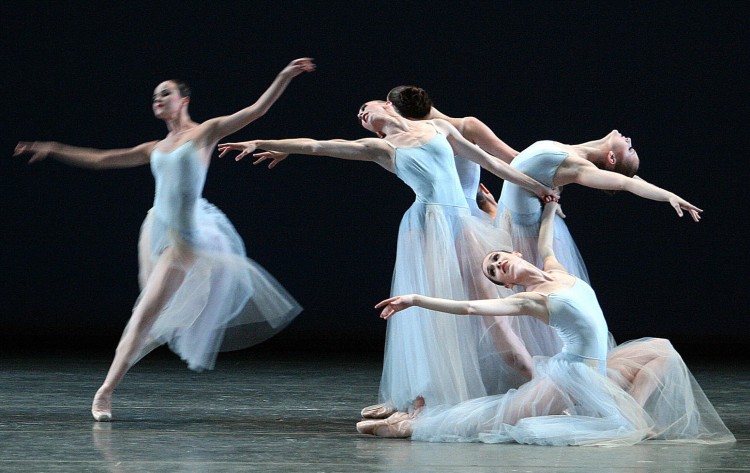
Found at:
<point>430,171</point>
<point>179,175</point>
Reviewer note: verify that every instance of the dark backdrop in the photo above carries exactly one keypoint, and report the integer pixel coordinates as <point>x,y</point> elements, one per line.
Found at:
<point>672,76</point>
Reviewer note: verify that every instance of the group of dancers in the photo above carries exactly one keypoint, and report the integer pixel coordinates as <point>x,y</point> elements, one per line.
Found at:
<point>553,376</point>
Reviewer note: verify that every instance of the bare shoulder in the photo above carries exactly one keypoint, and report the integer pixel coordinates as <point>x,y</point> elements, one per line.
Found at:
<point>146,147</point>
<point>144,150</point>
<point>471,123</point>
<point>440,123</point>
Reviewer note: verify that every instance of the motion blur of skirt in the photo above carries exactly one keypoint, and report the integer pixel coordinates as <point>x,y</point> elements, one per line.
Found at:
<point>225,301</point>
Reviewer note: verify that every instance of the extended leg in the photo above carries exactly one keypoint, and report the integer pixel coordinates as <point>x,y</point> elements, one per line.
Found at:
<point>166,277</point>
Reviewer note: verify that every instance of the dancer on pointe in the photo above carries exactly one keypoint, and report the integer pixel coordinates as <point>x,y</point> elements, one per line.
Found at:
<point>199,292</point>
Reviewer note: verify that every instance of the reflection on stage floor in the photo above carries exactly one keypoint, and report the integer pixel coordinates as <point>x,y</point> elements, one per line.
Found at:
<point>274,412</point>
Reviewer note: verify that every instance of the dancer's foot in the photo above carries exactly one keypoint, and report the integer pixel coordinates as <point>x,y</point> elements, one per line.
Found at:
<point>101,408</point>
<point>399,425</point>
<point>378,411</point>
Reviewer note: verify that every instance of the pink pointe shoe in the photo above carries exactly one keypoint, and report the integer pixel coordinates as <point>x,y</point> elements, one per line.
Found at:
<point>101,408</point>
<point>396,426</point>
<point>378,411</point>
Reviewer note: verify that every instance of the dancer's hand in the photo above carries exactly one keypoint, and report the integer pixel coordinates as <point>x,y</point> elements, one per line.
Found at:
<point>245,148</point>
<point>395,304</point>
<point>298,66</point>
<point>489,205</point>
<point>547,194</point>
<point>559,211</point>
<point>275,156</point>
<point>679,204</point>
<point>39,150</point>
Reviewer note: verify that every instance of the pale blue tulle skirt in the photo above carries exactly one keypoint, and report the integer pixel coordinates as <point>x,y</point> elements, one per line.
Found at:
<point>225,301</point>
<point>439,357</point>
<point>569,402</point>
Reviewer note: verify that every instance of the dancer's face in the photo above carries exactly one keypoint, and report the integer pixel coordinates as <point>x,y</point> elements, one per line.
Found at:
<point>167,101</point>
<point>503,268</point>
<point>621,148</point>
<point>369,113</point>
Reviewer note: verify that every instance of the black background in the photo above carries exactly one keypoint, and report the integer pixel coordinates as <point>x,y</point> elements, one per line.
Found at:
<point>672,76</point>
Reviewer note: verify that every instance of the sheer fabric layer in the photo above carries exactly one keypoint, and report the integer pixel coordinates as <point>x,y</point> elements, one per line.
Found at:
<point>439,357</point>
<point>570,403</point>
<point>225,300</point>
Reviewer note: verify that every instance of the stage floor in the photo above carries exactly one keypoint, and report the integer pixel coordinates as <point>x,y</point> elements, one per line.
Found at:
<point>273,412</point>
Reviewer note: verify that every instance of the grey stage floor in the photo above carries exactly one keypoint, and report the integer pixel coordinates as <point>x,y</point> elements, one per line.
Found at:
<point>265,412</point>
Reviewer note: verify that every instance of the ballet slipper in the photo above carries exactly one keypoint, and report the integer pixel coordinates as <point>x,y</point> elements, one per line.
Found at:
<point>367,427</point>
<point>101,408</point>
<point>378,411</point>
<point>396,426</point>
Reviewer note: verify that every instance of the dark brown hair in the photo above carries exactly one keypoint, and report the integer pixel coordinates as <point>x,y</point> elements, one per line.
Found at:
<point>183,87</point>
<point>410,101</point>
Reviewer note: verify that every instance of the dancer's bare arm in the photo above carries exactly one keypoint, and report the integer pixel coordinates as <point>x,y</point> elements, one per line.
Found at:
<point>583,172</point>
<point>476,131</point>
<point>365,149</point>
<point>523,303</point>
<point>546,238</point>
<point>219,127</point>
<point>86,157</point>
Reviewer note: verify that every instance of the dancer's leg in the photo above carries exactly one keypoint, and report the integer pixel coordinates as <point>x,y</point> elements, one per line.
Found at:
<point>531,400</point>
<point>509,345</point>
<point>168,273</point>
<point>642,366</point>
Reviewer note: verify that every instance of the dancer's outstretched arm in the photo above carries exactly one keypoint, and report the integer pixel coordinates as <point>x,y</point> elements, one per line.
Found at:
<point>86,157</point>
<point>211,131</point>
<point>365,149</point>
<point>583,172</point>
<point>523,303</point>
<point>476,131</point>
<point>219,127</point>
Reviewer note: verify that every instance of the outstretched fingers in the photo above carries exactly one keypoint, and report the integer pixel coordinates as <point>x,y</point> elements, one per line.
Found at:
<point>394,304</point>
<point>275,156</point>
<point>386,302</point>
<point>695,212</point>
<point>243,148</point>
<point>388,306</point>
<point>298,66</point>
<point>21,148</point>
<point>30,147</point>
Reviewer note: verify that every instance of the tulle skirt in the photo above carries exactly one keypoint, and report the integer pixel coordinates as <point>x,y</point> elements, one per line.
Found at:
<point>439,357</point>
<point>540,339</point>
<point>224,301</point>
<point>571,402</point>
